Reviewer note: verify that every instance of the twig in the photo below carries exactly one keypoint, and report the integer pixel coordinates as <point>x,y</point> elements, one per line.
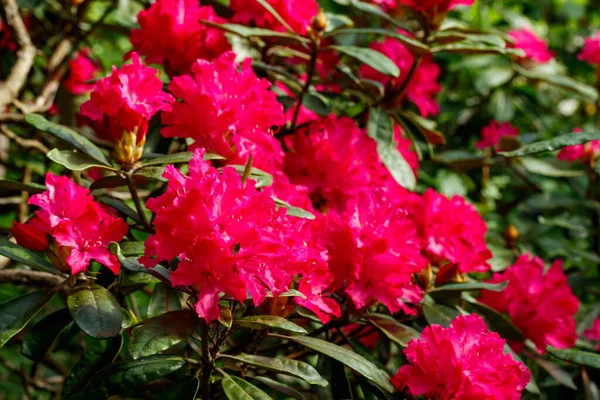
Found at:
<point>136,200</point>
<point>30,277</point>
<point>25,143</point>
<point>314,55</point>
<point>9,89</point>
<point>24,206</point>
<point>207,364</point>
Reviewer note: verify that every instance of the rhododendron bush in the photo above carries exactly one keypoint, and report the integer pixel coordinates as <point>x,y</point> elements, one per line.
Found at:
<point>307,199</point>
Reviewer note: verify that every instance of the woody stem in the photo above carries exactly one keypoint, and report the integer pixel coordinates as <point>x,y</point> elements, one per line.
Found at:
<point>137,201</point>
<point>314,54</point>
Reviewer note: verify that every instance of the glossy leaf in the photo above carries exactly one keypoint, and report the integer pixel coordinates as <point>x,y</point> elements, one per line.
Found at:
<point>556,372</point>
<point>347,357</point>
<point>562,81</point>
<point>120,206</point>
<point>550,168</point>
<point>413,45</point>
<point>293,211</point>
<point>268,321</point>
<point>132,248</point>
<point>373,58</point>
<point>460,287</point>
<point>44,334</point>
<point>25,256</point>
<point>132,264</point>
<point>95,311</point>
<point>20,186</point>
<point>162,332</point>
<point>262,178</point>
<point>68,135</point>
<point>580,357</point>
<point>238,389</point>
<point>279,387</point>
<point>372,9</point>
<point>15,314</point>
<point>74,161</point>
<point>164,299</point>
<point>177,158</point>
<point>556,143</point>
<point>499,322</point>
<point>317,103</point>
<point>391,328</point>
<point>439,314</point>
<point>248,32</point>
<point>283,365</point>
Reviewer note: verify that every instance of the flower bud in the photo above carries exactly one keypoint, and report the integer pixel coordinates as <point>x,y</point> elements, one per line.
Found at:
<point>511,236</point>
<point>319,22</point>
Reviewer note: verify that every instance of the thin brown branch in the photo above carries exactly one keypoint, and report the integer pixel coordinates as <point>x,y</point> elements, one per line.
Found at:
<point>30,277</point>
<point>24,143</point>
<point>9,89</point>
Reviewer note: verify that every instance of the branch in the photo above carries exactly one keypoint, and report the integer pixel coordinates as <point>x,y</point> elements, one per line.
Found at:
<point>9,89</point>
<point>24,143</point>
<point>30,277</point>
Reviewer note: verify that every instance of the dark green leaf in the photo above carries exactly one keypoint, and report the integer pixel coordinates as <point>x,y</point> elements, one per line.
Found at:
<point>238,389</point>
<point>184,389</point>
<point>317,103</point>
<point>268,321</point>
<point>120,206</point>
<point>283,365</point>
<point>74,160</point>
<point>132,264</point>
<point>550,168</point>
<point>413,45</point>
<point>44,334</point>
<point>562,81</point>
<point>262,178</point>
<point>164,299</point>
<point>95,311</point>
<point>556,372</point>
<point>439,314</point>
<point>371,9</point>
<point>16,313</point>
<point>556,143</point>
<point>162,332</point>
<point>280,387</point>
<point>155,173</point>
<point>24,256</point>
<point>460,160</point>
<point>426,127</point>
<point>576,356</point>
<point>293,211</point>
<point>177,158</point>
<point>373,58</point>
<point>499,322</point>
<point>132,248</point>
<point>97,355</point>
<point>19,186</point>
<point>68,135</point>
<point>469,47</point>
<point>460,287</point>
<point>347,357</point>
<point>391,328</point>
<point>247,32</point>
<point>108,182</point>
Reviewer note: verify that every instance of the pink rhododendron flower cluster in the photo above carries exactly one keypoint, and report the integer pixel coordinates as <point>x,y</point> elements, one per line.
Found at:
<point>591,50</point>
<point>82,229</point>
<point>422,87</point>
<point>227,110</point>
<point>535,48</point>
<point>228,237</point>
<point>492,133</point>
<point>171,33</point>
<point>126,100</point>
<point>540,303</point>
<point>594,332</point>
<point>81,71</point>
<point>297,14</point>
<point>587,152</point>
<point>462,362</point>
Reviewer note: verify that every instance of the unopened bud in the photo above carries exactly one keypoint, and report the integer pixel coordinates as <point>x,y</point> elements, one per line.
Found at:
<point>319,22</point>
<point>127,149</point>
<point>511,236</point>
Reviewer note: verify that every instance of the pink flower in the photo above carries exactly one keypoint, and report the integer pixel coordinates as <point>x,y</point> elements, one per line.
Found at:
<point>77,223</point>
<point>228,237</point>
<point>454,233</point>
<point>582,152</point>
<point>492,133</point>
<point>126,100</point>
<point>227,110</point>
<point>422,87</point>
<point>534,47</point>
<point>540,304</point>
<point>81,70</point>
<point>594,332</point>
<point>298,14</point>
<point>462,362</point>
<point>373,252</point>
<point>171,34</point>
<point>591,50</point>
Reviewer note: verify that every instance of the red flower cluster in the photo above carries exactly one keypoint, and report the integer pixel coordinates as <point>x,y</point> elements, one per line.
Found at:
<point>535,48</point>
<point>226,109</point>
<point>297,14</point>
<point>492,133</point>
<point>422,87</point>
<point>540,304</point>
<point>82,229</point>
<point>171,33</point>
<point>462,362</point>
<point>81,71</point>
<point>591,50</point>
<point>126,100</point>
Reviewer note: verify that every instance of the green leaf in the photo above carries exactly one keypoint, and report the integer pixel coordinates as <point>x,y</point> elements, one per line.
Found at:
<point>293,211</point>
<point>109,182</point>
<point>120,206</point>
<point>268,321</point>
<point>372,9</point>
<point>460,160</point>
<point>347,357</point>
<point>282,365</point>
<point>238,389</point>
<point>262,178</point>
<point>95,311</point>
<point>556,372</point>
<point>469,47</point>
<point>413,45</point>
<point>22,187</point>
<point>551,168</point>
<point>164,299</point>
<point>97,355</point>
<point>373,58</point>
<point>15,314</point>
<point>562,81</point>
<point>183,389</point>
<point>177,158</point>
<point>24,256</point>
<point>576,356</point>
<point>248,32</point>
<point>68,135</point>
<point>44,334</point>
<point>279,387</point>
<point>132,248</point>
<point>317,103</point>
<point>499,322</point>
<point>155,173</point>
<point>439,314</point>
<point>74,160</point>
<point>162,332</point>
<point>426,127</point>
<point>380,127</point>
<point>125,376</point>
<point>132,264</point>
<point>460,287</point>
<point>556,143</point>
<point>391,328</point>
